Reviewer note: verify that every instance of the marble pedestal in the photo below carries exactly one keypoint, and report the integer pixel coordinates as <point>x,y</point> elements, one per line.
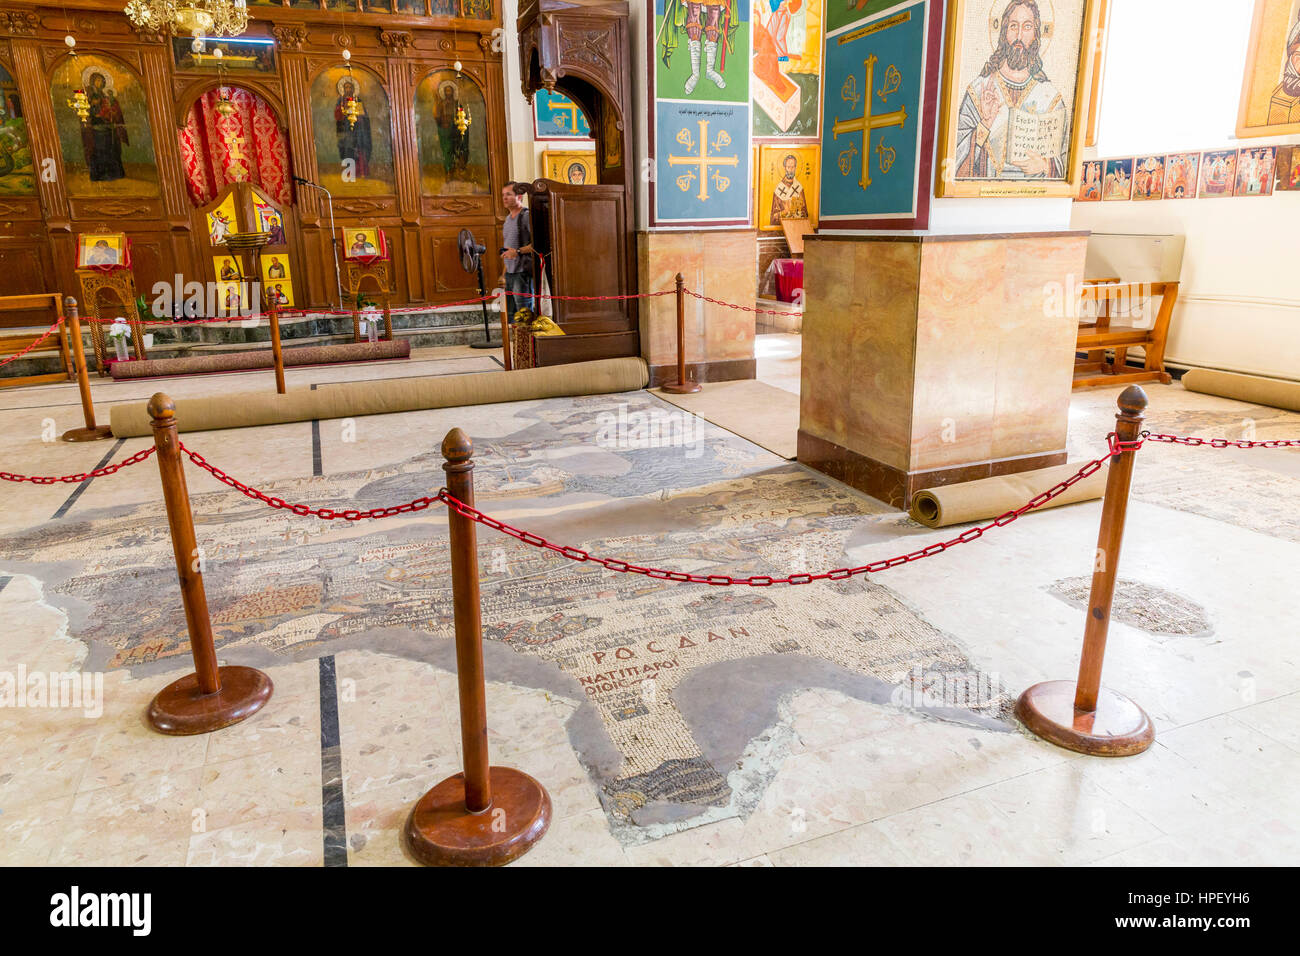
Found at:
<point>935,359</point>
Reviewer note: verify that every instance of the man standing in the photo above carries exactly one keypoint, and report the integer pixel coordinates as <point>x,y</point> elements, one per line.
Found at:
<point>1011,80</point>
<point>1284,105</point>
<point>517,253</point>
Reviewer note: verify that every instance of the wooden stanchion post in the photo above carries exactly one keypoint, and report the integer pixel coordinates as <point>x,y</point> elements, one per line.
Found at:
<point>1082,715</point>
<point>277,354</point>
<point>682,386</point>
<point>212,697</point>
<point>485,816</point>
<point>506,346</point>
<point>91,432</point>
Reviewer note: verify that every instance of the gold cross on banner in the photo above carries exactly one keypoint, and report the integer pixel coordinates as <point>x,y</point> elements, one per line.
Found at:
<point>705,160</point>
<point>567,113</point>
<point>867,122</point>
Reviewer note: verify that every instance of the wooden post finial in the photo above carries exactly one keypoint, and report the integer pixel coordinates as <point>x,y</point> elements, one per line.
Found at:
<point>457,447</point>
<point>1132,401</point>
<point>162,409</point>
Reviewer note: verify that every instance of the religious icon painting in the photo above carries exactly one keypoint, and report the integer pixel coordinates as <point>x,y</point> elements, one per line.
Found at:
<point>701,171</point>
<point>1255,171</point>
<point>277,279</point>
<point>17,172</point>
<point>786,67</point>
<point>269,220</point>
<point>556,116</point>
<point>1287,168</point>
<point>103,250</point>
<point>1148,178</point>
<point>222,221</point>
<point>451,123</point>
<point>1181,170</point>
<point>1270,89</point>
<point>108,152</point>
<point>1089,182</point>
<point>352,132</point>
<point>1016,75</point>
<point>366,243</point>
<point>882,75</point>
<point>1218,174</point>
<point>575,167</point>
<point>787,185</point>
<point>226,268</point>
<point>1117,180</point>
<point>701,50</point>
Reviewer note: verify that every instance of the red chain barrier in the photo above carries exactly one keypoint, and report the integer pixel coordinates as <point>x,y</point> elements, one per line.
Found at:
<point>135,459</point>
<point>48,332</point>
<point>1219,442</point>
<point>329,514</point>
<point>738,308</point>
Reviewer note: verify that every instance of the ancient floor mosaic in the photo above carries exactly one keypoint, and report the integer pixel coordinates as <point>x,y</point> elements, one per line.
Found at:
<point>682,680</point>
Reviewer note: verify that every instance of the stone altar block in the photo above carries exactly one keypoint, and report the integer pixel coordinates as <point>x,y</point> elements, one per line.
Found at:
<point>935,359</point>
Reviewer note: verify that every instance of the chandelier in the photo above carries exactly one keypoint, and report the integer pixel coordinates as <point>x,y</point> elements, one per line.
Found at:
<point>193,17</point>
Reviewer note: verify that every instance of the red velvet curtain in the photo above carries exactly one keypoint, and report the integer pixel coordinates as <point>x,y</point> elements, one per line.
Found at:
<point>260,155</point>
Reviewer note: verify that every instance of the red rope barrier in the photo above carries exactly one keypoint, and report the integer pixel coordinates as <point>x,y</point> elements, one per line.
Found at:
<point>48,332</point>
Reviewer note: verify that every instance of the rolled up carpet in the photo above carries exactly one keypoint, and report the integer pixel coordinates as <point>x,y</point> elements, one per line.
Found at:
<point>262,358</point>
<point>1274,392</point>
<point>990,497</point>
<point>383,397</point>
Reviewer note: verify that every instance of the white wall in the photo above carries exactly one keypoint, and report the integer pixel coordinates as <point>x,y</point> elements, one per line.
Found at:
<point>1240,293</point>
<point>525,152</point>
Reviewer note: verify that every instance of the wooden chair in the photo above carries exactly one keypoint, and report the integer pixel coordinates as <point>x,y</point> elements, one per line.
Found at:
<point>16,313</point>
<point>1096,337</point>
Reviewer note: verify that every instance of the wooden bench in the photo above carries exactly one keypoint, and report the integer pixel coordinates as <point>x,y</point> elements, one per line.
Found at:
<point>1096,337</point>
<point>30,316</point>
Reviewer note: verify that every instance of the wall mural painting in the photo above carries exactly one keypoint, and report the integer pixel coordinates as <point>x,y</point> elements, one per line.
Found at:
<point>702,173</point>
<point>702,50</point>
<point>354,146</point>
<point>1270,92</point>
<point>787,67</point>
<point>881,92</point>
<point>1011,96</point>
<point>555,116</point>
<point>17,174</point>
<point>787,185</point>
<point>110,152</point>
<point>451,125</point>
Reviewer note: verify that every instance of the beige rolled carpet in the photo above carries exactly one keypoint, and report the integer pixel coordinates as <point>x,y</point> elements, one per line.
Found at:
<point>262,358</point>
<point>1274,392</point>
<point>386,396</point>
<point>990,497</point>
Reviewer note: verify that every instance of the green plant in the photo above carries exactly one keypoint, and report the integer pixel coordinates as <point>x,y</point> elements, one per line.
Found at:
<point>365,302</point>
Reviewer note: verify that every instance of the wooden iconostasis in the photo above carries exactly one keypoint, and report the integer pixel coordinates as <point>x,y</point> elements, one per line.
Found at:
<point>167,132</point>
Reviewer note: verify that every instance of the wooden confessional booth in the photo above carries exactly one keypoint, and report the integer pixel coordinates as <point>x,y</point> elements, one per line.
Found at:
<point>586,234</point>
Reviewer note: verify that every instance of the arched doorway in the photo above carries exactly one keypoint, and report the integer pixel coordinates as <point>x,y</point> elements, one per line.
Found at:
<point>238,177</point>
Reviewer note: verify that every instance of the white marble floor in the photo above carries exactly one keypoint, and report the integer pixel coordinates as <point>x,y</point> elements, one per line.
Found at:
<point>854,783</point>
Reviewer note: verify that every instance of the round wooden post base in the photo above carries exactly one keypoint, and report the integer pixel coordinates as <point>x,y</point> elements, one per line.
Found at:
<point>1117,728</point>
<point>441,832</point>
<point>181,710</point>
<point>682,388</point>
<point>98,433</point>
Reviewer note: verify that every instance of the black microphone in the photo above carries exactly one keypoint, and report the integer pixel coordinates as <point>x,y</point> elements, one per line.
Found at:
<point>303,182</point>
